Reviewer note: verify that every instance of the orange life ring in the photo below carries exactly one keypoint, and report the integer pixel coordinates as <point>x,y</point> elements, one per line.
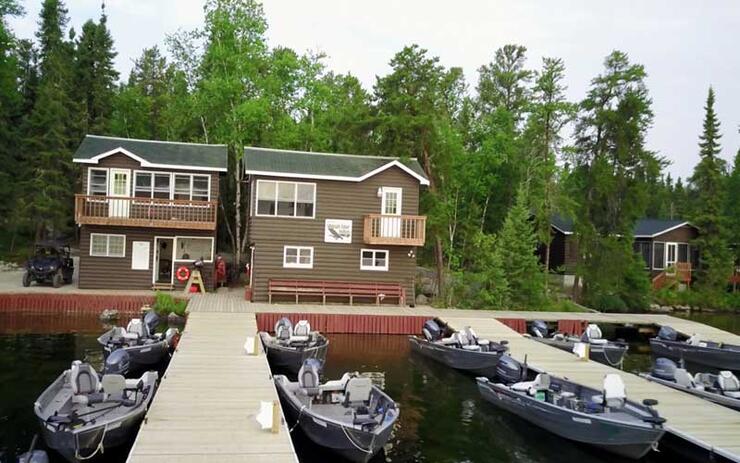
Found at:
<point>182,274</point>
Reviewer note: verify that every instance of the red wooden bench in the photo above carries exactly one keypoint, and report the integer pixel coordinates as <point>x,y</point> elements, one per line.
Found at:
<point>331,288</point>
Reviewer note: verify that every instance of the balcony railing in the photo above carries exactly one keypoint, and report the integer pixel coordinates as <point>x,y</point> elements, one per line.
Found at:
<point>404,230</point>
<point>145,212</point>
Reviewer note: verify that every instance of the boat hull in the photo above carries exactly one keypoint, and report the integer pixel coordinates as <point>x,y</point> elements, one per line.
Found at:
<point>291,360</point>
<point>352,444</point>
<point>472,362</point>
<point>623,439</point>
<point>712,397</point>
<point>713,357</point>
<point>609,354</point>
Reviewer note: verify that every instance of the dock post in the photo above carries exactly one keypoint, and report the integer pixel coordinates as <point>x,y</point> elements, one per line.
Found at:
<point>275,416</point>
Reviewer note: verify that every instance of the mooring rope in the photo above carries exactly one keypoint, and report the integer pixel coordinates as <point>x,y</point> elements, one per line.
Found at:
<point>368,451</point>
<point>99,447</point>
<point>298,420</point>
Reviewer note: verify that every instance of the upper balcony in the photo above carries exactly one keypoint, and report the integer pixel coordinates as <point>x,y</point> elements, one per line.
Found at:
<point>402,230</point>
<point>145,212</point>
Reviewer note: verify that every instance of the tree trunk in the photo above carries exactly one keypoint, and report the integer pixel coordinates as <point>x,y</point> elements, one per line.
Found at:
<point>547,269</point>
<point>439,258</point>
<point>237,213</point>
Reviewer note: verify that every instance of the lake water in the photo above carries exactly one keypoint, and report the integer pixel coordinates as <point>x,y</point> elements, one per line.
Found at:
<point>443,419</point>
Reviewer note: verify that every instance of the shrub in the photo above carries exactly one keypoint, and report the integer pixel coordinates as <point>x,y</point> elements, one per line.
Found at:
<point>165,304</point>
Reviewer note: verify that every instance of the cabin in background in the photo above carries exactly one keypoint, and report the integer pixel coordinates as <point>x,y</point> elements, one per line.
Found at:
<point>146,208</point>
<point>663,244</point>
<point>322,226</point>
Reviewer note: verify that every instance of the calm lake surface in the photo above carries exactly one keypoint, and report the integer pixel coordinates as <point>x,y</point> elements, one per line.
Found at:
<point>443,419</point>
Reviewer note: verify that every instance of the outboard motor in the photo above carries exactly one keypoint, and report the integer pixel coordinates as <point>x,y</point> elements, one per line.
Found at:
<point>117,363</point>
<point>151,320</point>
<point>539,329</point>
<point>667,333</point>
<point>509,370</point>
<point>34,456</point>
<point>172,336</point>
<point>664,368</point>
<point>431,330</point>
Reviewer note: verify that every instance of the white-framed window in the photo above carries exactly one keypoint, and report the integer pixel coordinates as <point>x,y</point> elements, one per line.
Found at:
<point>97,182</point>
<point>391,200</point>
<point>107,245</point>
<point>167,185</point>
<point>192,248</point>
<point>374,259</point>
<point>298,256</point>
<point>286,199</point>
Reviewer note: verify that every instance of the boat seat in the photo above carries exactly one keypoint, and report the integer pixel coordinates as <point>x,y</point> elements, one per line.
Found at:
<point>358,389</point>
<point>470,334</point>
<point>729,384</point>
<point>135,327</point>
<point>336,385</point>
<point>83,378</point>
<point>308,377</point>
<point>302,328</point>
<point>615,394</point>
<point>460,338</point>
<point>683,378</point>
<point>113,386</point>
<point>541,383</point>
<point>472,348</point>
<point>558,337</point>
<point>593,332</point>
<point>694,340</point>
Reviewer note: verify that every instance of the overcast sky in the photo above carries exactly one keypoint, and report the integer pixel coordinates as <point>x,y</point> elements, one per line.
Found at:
<point>685,45</point>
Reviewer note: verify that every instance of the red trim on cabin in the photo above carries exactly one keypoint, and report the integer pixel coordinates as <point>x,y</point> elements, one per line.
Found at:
<point>348,323</point>
<point>572,327</point>
<point>517,324</point>
<point>68,304</point>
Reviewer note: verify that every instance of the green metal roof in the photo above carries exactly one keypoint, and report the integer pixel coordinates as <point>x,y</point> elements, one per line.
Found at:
<point>329,166</point>
<point>644,228</point>
<point>152,153</point>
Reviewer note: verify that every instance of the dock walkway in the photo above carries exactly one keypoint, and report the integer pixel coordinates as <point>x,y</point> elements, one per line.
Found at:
<point>206,404</point>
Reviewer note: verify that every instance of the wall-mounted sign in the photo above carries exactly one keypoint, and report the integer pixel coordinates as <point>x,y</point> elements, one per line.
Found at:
<point>140,255</point>
<point>337,231</point>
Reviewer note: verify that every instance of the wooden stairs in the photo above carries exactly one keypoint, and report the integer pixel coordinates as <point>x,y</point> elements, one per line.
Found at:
<point>163,287</point>
<point>678,273</point>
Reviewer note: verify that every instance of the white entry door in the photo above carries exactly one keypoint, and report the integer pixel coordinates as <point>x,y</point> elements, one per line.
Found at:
<point>671,254</point>
<point>120,185</point>
<point>390,208</point>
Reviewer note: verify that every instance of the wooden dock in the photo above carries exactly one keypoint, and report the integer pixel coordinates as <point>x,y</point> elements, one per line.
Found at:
<point>205,407</point>
<point>710,426</point>
<point>206,404</point>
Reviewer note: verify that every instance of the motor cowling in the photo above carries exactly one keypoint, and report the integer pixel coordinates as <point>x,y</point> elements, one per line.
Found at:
<point>539,329</point>
<point>667,333</point>
<point>117,363</point>
<point>509,370</point>
<point>151,320</point>
<point>664,368</point>
<point>431,330</point>
<point>172,336</point>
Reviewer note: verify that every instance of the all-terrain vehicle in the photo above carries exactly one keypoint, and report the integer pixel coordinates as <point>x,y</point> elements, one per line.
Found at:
<point>51,262</point>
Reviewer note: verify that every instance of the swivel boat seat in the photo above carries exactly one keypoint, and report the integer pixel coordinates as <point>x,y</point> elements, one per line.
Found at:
<point>729,384</point>
<point>308,378</point>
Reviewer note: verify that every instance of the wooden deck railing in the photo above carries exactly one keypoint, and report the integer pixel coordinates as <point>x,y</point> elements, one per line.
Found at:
<point>405,230</point>
<point>680,272</point>
<point>145,212</point>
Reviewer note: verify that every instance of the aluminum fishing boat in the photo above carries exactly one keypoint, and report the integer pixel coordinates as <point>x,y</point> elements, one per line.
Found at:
<point>82,415</point>
<point>291,346</point>
<point>600,350</point>
<point>695,350</point>
<point>462,350</point>
<point>349,416</point>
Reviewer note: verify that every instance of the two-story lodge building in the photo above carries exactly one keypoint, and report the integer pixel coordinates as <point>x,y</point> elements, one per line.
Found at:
<point>146,208</point>
<point>332,217</point>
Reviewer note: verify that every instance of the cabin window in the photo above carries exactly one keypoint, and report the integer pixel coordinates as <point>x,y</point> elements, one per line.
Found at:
<point>200,189</point>
<point>298,256</point>
<point>190,249</point>
<point>192,187</point>
<point>143,185</point>
<point>162,186</point>
<point>374,259</point>
<point>658,255</point>
<point>98,182</point>
<point>683,252</point>
<point>106,245</point>
<point>182,186</point>
<point>643,249</point>
<point>188,187</point>
<point>152,185</point>
<point>286,199</point>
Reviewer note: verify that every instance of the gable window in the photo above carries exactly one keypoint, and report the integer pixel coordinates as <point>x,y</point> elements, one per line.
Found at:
<point>286,199</point>
<point>97,182</point>
<point>106,245</point>
<point>298,257</point>
<point>374,259</point>
<point>190,249</point>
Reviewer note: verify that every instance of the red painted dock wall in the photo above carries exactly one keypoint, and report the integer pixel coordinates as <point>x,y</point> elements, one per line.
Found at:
<point>348,323</point>
<point>48,303</point>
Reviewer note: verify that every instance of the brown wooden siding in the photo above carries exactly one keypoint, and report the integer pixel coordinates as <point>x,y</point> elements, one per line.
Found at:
<point>685,234</point>
<point>334,200</point>
<point>116,272</point>
<point>121,161</point>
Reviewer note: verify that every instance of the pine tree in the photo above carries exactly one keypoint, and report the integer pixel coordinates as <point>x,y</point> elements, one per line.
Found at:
<point>707,182</point>
<point>732,206</point>
<point>50,131</point>
<point>516,243</point>
<point>95,75</point>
